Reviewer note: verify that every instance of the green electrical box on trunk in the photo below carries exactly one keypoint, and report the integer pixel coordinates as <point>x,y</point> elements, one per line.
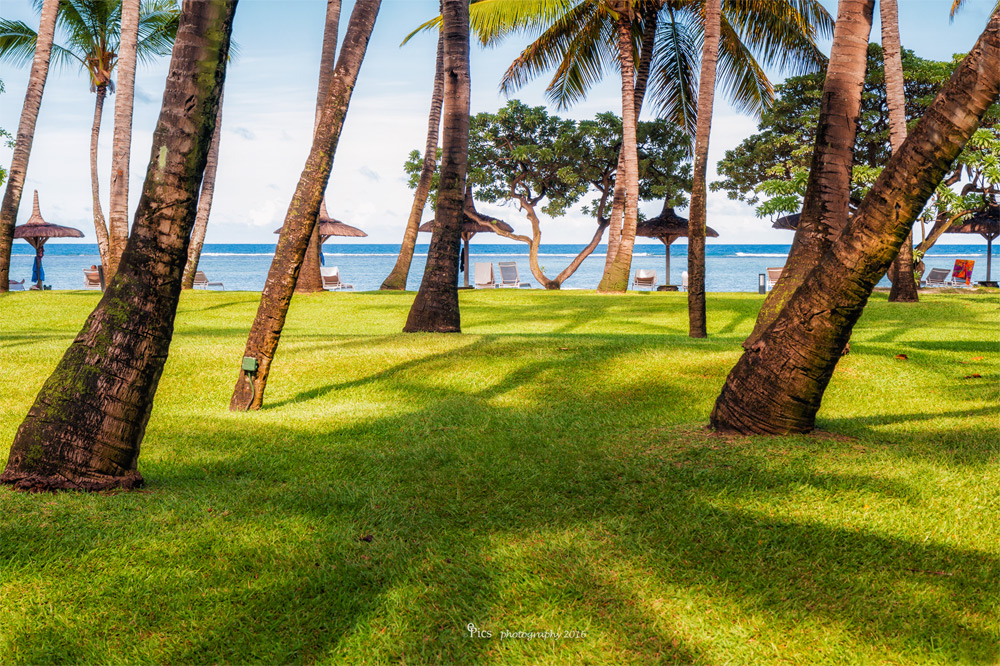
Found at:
<point>249,364</point>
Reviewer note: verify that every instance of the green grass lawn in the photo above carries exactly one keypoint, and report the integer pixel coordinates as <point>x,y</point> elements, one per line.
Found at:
<point>548,470</point>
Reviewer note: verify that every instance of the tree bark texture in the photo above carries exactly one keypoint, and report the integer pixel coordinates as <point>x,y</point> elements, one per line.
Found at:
<point>826,205</point>
<point>204,204</point>
<point>300,220</point>
<point>310,281</point>
<point>25,136</point>
<point>100,226</point>
<point>777,385</point>
<point>122,144</point>
<point>435,308</point>
<point>86,425</point>
<point>397,277</point>
<point>697,325</point>
<point>904,285</point>
<point>615,278</point>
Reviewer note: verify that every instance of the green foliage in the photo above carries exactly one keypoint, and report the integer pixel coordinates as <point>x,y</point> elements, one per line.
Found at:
<point>8,141</point>
<point>548,469</point>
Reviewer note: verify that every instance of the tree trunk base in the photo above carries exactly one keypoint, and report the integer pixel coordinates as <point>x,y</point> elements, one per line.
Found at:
<point>39,483</point>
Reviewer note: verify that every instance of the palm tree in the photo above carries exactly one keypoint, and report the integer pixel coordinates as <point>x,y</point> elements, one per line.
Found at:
<point>827,199</point>
<point>904,286</point>
<point>435,308</point>
<point>122,144</point>
<point>396,280</point>
<point>87,423</point>
<point>204,204</point>
<point>777,386</point>
<point>300,221</point>
<point>697,326</point>
<point>92,32</point>
<point>25,135</point>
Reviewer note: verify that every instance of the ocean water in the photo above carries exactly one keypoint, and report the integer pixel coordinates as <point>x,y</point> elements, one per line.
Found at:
<point>244,267</point>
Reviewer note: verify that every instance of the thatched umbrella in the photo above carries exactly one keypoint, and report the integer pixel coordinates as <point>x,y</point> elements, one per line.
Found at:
<point>36,231</point>
<point>986,223</point>
<point>668,226</point>
<point>329,227</point>
<point>787,222</point>
<point>471,226</point>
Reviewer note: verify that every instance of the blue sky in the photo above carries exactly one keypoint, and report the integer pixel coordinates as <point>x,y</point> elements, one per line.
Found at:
<point>268,115</point>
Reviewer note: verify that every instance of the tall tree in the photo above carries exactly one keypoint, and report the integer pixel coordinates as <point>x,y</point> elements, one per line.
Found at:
<point>92,30</point>
<point>25,135</point>
<point>396,279</point>
<point>777,385</point>
<point>300,220</point>
<point>828,192</point>
<point>310,280</point>
<point>904,286</point>
<point>205,197</point>
<point>697,326</point>
<point>122,144</point>
<point>435,308</point>
<point>87,423</point>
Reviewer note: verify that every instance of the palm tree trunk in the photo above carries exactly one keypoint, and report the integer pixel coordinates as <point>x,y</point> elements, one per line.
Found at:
<point>615,278</point>
<point>204,204</point>
<point>122,145</point>
<point>697,325</point>
<point>103,243</point>
<point>904,286</point>
<point>825,209</point>
<point>25,136</point>
<point>778,384</point>
<point>310,280</point>
<point>300,220</point>
<point>435,308</point>
<point>397,277</point>
<point>87,423</point>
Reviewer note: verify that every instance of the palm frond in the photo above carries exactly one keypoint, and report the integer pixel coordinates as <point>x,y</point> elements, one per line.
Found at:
<point>781,33</point>
<point>17,46</point>
<point>956,6</point>
<point>740,76</point>
<point>492,21</point>
<point>673,76</point>
<point>158,20</point>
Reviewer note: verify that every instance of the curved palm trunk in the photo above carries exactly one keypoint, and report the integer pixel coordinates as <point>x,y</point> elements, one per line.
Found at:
<point>397,277</point>
<point>904,286</point>
<point>826,205</point>
<point>300,220</point>
<point>84,430</point>
<point>435,308</point>
<point>697,326</point>
<point>778,384</point>
<point>122,145</point>
<point>615,278</point>
<point>25,136</point>
<point>103,242</point>
<point>204,204</point>
<point>310,280</point>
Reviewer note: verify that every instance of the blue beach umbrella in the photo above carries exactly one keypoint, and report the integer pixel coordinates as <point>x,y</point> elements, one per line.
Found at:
<point>36,231</point>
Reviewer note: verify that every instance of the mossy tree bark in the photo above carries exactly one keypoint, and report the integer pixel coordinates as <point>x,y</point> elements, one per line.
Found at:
<point>397,277</point>
<point>204,204</point>
<point>300,220</point>
<point>122,144</point>
<point>697,324</point>
<point>777,385</point>
<point>84,430</point>
<point>904,285</point>
<point>25,136</point>
<point>435,308</point>
<point>827,199</point>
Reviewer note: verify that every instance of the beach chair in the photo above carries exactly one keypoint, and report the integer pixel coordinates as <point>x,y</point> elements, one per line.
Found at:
<point>937,277</point>
<point>773,274</point>
<point>509,276</point>
<point>644,278</point>
<point>331,279</point>
<point>91,278</point>
<point>961,275</point>
<point>201,281</point>
<point>14,285</point>
<point>684,281</point>
<point>484,276</point>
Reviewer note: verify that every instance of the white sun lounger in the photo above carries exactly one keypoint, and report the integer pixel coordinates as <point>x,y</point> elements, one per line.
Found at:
<point>644,278</point>
<point>484,276</point>
<point>509,276</point>
<point>331,279</point>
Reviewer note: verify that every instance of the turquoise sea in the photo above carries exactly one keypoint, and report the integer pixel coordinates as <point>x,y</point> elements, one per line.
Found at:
<point>244,266</point>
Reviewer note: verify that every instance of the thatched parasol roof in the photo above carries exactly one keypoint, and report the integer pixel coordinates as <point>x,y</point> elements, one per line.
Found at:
<point>470,225</point>
<point>787,222</point>
<point>986,223</point>
<point>36,227</point>
<point>668,225</point>
<point>331,227</point>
